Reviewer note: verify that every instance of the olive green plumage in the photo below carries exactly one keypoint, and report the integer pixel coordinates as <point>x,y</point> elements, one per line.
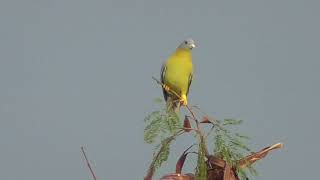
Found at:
<point>176,75</point>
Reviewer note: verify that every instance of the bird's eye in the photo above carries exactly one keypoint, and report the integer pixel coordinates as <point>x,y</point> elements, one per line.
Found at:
<point>186,42</point>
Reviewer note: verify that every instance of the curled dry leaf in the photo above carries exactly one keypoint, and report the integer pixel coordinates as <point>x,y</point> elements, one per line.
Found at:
<point>186,124</point>
<point>206,119</point>
<point>248,160</point>
<point>218,169</point>
<point>180,163</point>
<point>181,160</point>
<point>177,175</point>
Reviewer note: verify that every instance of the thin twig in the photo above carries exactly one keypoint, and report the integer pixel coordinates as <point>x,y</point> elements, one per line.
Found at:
<point>211,129</point>
<point>201,136</point>
<point>88,163</point>
<point>193,115</point>
<point>163,86</point>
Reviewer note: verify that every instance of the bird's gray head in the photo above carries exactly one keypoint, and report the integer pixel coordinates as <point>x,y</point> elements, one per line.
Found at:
<point>187,44</point>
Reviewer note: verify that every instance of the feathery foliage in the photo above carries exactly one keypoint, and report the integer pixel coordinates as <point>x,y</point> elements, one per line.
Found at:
<point>162,153</point>
<point>229,146</point>
<point>160,124</point>
<point>161,128</point>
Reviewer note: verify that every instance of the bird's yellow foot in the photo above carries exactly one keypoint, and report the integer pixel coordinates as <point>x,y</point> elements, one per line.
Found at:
<point>167,88</point>
<point>184,100</point>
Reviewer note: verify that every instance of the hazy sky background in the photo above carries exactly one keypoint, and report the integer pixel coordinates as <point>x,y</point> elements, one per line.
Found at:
<point>75,72</point>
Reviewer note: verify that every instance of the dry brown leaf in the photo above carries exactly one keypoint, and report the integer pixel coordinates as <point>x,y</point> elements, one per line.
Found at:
<point>186,124</point>
<point>248,160</point>
<point>206,119</point>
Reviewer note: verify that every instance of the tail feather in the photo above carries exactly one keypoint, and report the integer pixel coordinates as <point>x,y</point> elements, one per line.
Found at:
<point>173,105</point>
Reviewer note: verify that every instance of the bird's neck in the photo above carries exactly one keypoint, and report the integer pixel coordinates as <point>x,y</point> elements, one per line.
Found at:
<point>185,53</point>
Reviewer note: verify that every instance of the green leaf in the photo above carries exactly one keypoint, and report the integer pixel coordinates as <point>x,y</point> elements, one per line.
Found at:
<point>231,122</point>
<point>172,122</point>
<point>230,145</point>
<point>160,124</point>
<point>152,130</point>
<point>163,150</point>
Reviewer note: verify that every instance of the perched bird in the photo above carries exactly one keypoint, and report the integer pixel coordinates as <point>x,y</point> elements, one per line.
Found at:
<point>176,75</point>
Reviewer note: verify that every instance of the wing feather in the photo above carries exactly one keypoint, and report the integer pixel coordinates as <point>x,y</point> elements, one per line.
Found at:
<point>163,76</point>
<point>189,83</point>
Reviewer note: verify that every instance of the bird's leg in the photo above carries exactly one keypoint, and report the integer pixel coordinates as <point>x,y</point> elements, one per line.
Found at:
<point>184,100</point>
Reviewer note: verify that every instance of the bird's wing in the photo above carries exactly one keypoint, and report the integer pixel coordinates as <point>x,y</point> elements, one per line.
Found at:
<point>163,74</point>
<point>189,83</point>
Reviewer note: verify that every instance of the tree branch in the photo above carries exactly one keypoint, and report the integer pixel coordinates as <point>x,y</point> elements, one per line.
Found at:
<point>88,163</point>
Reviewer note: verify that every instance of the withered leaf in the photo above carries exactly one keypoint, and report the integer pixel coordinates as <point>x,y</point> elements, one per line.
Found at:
<point>186,124</point>
<point>206,119</point>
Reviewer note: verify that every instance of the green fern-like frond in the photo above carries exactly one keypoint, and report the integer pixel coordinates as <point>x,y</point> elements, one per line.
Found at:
<point>232,122</point>
<point>162,127</point>
<point>231,146</point>
<point>172,122</point>
<point>153,127</point>
<point>161,153</point>
<point>160,124</point>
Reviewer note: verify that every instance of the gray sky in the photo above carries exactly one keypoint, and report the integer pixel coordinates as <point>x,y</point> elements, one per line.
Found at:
<point>75,72</point>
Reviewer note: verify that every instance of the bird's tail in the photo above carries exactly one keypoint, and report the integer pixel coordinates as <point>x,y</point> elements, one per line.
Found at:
<point>173,105</point>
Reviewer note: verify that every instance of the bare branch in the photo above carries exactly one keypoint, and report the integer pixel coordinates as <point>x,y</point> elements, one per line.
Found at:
<point>88,163</point>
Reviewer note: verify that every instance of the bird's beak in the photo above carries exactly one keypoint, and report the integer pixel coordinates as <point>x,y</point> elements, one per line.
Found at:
<point>193,46</point>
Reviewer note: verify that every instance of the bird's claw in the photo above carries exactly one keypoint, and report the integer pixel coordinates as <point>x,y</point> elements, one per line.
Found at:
<point>183,100</point>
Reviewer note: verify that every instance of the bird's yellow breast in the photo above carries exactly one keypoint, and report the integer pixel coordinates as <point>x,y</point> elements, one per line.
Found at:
<point>178,70</point>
